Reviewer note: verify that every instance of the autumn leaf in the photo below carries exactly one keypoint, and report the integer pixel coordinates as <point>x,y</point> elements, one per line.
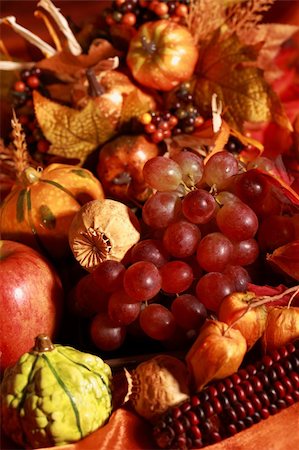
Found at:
<point>69,68</point>
<point>286,258</point>
<point>246,96</point>
<point>76,133</point>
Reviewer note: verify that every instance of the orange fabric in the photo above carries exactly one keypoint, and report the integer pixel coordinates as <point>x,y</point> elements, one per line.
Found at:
<point>124,431</point>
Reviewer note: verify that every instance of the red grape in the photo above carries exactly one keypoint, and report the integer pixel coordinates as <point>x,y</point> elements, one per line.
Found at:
<point>239,276</point>
<point>212,288</point>
<point>219,168</point>
<point>199,206</point>
<point>150,250</point>
<point>86,299</point>
<point>162,174</point>
<point>177,276</point>
<point>214,252</point>
<point>188,312</point>
<point>245,252</point>
<point>237,221</point>
<point>191,166</point>
<point>161,209</point>
<point>108,275</point>
<point>121,309</point>
<point>157,322</point>
<point>105,334</point>
<point>181,239</point>
<point>142,281</point>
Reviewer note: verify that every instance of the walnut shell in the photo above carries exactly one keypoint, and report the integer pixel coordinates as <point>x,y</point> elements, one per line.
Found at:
<point>102,229</point>
<point>157,384</point>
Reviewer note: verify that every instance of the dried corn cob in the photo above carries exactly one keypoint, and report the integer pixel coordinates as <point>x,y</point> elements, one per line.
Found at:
<point>225,407</point>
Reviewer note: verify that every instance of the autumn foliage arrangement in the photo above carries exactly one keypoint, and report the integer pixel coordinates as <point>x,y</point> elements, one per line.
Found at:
<point>153,159</point>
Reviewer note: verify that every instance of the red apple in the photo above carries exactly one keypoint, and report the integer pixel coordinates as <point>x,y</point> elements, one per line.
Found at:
<point>31,298</point>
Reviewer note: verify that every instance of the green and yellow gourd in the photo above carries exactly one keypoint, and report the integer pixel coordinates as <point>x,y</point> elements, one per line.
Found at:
<point>55,395</point>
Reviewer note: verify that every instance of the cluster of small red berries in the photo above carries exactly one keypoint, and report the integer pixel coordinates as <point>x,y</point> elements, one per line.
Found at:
<point>30,79</point>
<point>183,117</point>
<point>136,12</point>
<point>22,89</point>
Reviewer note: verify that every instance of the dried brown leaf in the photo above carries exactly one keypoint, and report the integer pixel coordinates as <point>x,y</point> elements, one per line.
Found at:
<point>74,133</point>
<point>245,95</point>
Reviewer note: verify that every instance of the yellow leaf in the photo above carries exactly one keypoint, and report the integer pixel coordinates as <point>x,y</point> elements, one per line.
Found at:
<point>76,133</point>
<point>225,68</point>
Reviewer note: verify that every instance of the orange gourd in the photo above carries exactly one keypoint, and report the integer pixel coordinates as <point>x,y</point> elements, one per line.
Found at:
<point>42,203</point>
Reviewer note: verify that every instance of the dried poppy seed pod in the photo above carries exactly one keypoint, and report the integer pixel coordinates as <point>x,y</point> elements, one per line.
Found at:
<point>102,229</point>
<point>157,384</point>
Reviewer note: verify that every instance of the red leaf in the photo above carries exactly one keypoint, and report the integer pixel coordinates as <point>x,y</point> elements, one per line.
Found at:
<point>286,258</point>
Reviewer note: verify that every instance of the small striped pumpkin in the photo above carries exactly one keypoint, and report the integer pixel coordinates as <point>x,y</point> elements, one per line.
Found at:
<point>55,395</point>
<point>41,205</point>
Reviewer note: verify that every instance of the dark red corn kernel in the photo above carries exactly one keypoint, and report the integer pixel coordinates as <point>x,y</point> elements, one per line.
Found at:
<point>240,393</point>
<point>208,409</point>
<point>232,415</point>
<point>200,414</point>
<point>275,355</point>
<point>185,407</point>
<point>206,427</point>
<point>256,384</point>
<point>164,438</point>
<point>240,425</point>
<point>204,396</point>
<point>232,396</point>
<point>251,369</point>
<point>290,347</point>
<point>279,370</point>
<point>236,379</point>
<point>256,417</point>
<point>265,413</point>
<point>294,379</point>
<point>221,387</point>
<point>273,375</point>
<point>212,391</point>
<point>279,388</point>
<point>287,385</point>
<point>287,365</point>
<point>272,395</point>
<point>273,409</point>
<point>217,405</point>
<point>228,383</point>
<point>263,378</point>
<point>178,427</point>
<point>248,389</point>
<point>215,437</point>
<point>248,421</point>
<point>295,362</point>
<point>224,401</point>
<point>232,429</point>
<point>192,417</point>
<point>169,420</point>
<point>267,360</point>
<point>196,433</point>
<point>283,351</point>
<point>197,443</point>
<point>264,399</point>
<point>185,422</point>
<point>240,410</point>
<point>194,401</point>
<point>281,404</point>
<point>182,442</point>
<point>257,404</point>
<point>295,396</point>
<point>289,400</point>
<point>243,374</point>
<point>176,412</point>
<point>249,408</point>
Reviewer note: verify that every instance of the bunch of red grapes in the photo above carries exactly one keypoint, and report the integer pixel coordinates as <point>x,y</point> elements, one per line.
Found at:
<point>203,230</point>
